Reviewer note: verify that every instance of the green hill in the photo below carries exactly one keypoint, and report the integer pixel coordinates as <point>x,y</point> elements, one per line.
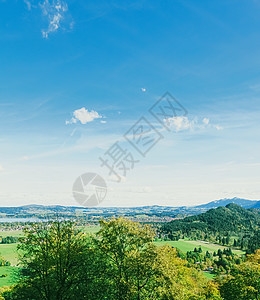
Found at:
<point>231,219</point>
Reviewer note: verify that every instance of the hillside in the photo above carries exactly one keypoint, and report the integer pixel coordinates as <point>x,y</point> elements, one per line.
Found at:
<point>256,205</point>
<point>229,219</point>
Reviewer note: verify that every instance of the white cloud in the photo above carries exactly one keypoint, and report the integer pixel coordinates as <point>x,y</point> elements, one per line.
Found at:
<point>179,123</point>
<point>218,127</point>
<point>84,116</point>
<point>55,12</point>
<point>103,122</point>
<point>72,121</point>
<point>1,168</point>
<point>143,89</point>
<point>205,121</point>
<point>183,123</point>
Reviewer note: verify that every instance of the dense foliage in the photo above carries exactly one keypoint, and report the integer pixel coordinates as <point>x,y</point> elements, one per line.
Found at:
<point>243,283</point>
<point>232,218</point>
<point>120,262</point>
<point>8,240</point>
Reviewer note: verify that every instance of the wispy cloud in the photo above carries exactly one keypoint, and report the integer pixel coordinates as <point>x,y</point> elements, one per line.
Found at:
<point>255,87</point>
<point>82,144</point>
<point>55,11</point>
<point>28,4</point>
<point>84,116</point>
<point>25,157</point>
<point>1,168</point>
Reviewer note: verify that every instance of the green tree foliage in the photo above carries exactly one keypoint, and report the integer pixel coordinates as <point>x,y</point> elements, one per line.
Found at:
<point>216,224</point>
<point>243,283</point>
<point>120,262</point>
<point>177,281</point>
<point>254,242</point>
<point>130,256</point>
<point>8,239</point>
<point>51,254</point>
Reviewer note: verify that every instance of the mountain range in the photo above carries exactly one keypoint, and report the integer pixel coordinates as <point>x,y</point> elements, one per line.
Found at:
<point>223,202</point>
<point>154,211</point>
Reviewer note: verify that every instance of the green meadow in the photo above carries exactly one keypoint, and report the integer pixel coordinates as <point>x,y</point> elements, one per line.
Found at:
<point>208,275</point>
<point>15,233</point>
<point>185,245</point>
<point>8,251</point>
<point>12,275</point>
<point>90,228</point>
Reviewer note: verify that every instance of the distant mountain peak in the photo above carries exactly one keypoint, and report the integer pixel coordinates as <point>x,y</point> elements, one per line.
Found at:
<point>245,203</point>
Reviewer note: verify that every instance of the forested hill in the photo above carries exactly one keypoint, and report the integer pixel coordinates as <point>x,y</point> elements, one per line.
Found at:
<point>231,218</point>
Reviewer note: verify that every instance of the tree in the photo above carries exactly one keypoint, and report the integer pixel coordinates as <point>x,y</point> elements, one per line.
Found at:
<point>51,254</point>
<point>5,292</point>
<point>254,242</point>
<point>208,254</point>
<point>244,281</point>
<point>176,281</point>
<point>120,262</point>
<point>227,240</point>
<point>130,253</point>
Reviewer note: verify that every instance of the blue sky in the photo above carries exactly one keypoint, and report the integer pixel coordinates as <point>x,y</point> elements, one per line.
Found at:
<point>76,75</point>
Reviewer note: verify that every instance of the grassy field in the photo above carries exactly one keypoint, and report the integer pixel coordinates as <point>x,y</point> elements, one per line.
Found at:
<point>185,246</point>
<point>16,233</point>
<point>8,251</point>
<point>12,275</point>
<point>91,228</point>
<point>208,275</point>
